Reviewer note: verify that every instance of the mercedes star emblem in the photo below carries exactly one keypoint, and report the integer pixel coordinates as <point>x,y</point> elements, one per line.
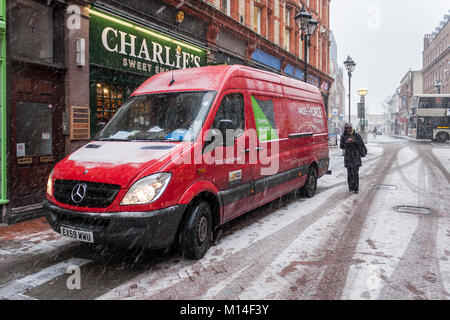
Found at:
<point>78,193</point>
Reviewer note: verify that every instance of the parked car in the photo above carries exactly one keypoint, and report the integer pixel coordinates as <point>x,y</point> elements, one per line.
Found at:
<point>190,150</point>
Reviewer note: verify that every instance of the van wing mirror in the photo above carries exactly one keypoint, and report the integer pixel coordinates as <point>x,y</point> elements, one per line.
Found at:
<point>100,127</point>
<point>226,128</point>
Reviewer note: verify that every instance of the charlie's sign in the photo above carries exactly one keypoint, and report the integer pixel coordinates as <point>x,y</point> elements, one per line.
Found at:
<point>120,44</point>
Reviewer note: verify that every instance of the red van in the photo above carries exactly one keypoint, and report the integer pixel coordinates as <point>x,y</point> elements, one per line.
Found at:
<point>190,150</point>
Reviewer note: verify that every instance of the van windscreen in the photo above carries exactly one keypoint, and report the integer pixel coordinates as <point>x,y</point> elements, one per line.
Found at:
<point>168,116</point>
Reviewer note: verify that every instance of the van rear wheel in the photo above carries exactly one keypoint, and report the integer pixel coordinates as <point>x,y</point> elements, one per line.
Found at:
<point>310,187</point>
<point>196,234</point>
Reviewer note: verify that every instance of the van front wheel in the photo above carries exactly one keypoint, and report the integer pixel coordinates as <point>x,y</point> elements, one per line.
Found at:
<point>196,234</point>
<point>310,187</point>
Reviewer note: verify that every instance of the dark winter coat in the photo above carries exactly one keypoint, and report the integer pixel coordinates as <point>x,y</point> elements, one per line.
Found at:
<point>352,157</point>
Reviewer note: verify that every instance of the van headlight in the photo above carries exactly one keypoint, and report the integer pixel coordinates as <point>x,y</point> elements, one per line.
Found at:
<point>147,189</point>
<point>50,184</point>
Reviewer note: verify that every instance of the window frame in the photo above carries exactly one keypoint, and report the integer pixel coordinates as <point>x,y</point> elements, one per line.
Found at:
<point>225,94</point>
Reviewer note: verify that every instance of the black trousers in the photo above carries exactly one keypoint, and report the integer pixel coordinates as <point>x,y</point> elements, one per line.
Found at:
<point>353,178</point>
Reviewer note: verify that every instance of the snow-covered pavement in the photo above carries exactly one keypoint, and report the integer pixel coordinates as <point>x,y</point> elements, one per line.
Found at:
<point>337,245</point>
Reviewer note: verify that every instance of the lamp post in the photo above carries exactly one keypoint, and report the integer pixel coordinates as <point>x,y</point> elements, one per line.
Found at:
<point>350,66</point>
<point>307,27</point>
<point>363,93</point>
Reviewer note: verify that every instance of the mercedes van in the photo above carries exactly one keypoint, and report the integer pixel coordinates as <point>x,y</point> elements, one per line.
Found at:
<point>190,150</point>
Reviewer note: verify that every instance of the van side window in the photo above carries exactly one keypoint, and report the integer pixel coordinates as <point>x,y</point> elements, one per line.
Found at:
<point>232,108</point>
<point>263,111</point>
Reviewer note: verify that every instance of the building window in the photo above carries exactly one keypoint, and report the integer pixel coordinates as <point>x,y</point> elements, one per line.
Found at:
<point>288,28</point>
<point>257,19</point>
<point>287,16</point>
<point>226,7</point>
<point>287,39</point>
<point>33,39</point>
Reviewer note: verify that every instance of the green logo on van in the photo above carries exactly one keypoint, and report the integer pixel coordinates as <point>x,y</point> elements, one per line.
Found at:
<point>264,119</point>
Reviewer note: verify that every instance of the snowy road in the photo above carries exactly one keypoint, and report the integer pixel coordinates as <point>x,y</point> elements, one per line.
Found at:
<point>337,245</point>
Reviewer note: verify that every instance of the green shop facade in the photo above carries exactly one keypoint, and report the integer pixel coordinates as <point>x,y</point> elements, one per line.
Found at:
<point>123,53</point>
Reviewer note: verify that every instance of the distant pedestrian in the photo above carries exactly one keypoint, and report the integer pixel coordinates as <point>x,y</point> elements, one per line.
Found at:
<point>354,148</point>
<point>375,131</point>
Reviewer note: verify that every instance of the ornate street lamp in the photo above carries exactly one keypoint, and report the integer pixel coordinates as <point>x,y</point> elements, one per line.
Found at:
<point>307,26</point>
<point>362,92</point>
<point>350,66</point>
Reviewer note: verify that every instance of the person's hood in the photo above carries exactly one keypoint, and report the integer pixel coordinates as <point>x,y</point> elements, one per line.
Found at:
<point>116,162</point>
<point>349,134</point>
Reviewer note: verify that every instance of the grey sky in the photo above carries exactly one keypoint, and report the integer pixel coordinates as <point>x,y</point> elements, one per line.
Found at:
<point>384,49</point>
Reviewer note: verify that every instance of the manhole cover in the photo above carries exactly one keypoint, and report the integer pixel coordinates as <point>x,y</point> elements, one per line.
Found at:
<point>384,187</point>
<point>413,210</point>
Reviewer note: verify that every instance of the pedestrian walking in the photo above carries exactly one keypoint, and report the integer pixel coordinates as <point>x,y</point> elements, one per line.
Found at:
<point>375,131</point>
<point>354,148</point>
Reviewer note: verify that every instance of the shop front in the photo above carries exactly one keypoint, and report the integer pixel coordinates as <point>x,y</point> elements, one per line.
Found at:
<point>123,54</point>
<point>35,71</point>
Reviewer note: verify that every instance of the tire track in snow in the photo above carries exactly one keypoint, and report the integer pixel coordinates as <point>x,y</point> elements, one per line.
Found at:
<point>250,262</point>
<point>439,165</point>
<point>334,277</point>
<point>417,274</point>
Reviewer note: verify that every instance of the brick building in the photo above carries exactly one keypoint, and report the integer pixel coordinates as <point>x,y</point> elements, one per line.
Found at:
<point>410,85</point>
<point>74,62</point>
<point>336,101</point>
<point>436,59</point>
<point>270,26</point>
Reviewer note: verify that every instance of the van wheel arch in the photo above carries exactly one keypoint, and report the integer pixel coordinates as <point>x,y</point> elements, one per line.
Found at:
<point>214,206</point>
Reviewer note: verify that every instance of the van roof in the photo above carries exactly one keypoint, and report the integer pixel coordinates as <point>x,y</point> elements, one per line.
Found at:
<point>213,78</point>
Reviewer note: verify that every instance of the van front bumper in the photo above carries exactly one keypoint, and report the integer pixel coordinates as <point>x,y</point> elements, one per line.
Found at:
<point>155,229</point>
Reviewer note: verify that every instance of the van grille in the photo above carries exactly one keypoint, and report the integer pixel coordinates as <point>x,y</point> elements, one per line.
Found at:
<point>98,195</point>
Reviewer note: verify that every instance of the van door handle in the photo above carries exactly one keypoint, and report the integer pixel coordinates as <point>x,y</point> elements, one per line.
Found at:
<point>259,149</point>
<point>246,151</point>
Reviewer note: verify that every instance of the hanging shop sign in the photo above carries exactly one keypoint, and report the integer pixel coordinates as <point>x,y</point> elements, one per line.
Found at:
<point>122,45</point>
<point>324,86</point>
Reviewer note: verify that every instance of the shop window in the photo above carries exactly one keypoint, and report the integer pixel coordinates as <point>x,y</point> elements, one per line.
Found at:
<point>34,129</point>
<point>33,39</point>
<point>109,100</point>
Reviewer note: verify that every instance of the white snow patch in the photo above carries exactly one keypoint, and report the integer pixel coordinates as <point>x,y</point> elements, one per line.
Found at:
<point>443,154</point>
<point>307,248</point>
<point>118,153</point>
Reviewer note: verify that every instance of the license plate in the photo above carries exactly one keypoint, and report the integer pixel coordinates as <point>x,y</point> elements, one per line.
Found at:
<point>85,236</point>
